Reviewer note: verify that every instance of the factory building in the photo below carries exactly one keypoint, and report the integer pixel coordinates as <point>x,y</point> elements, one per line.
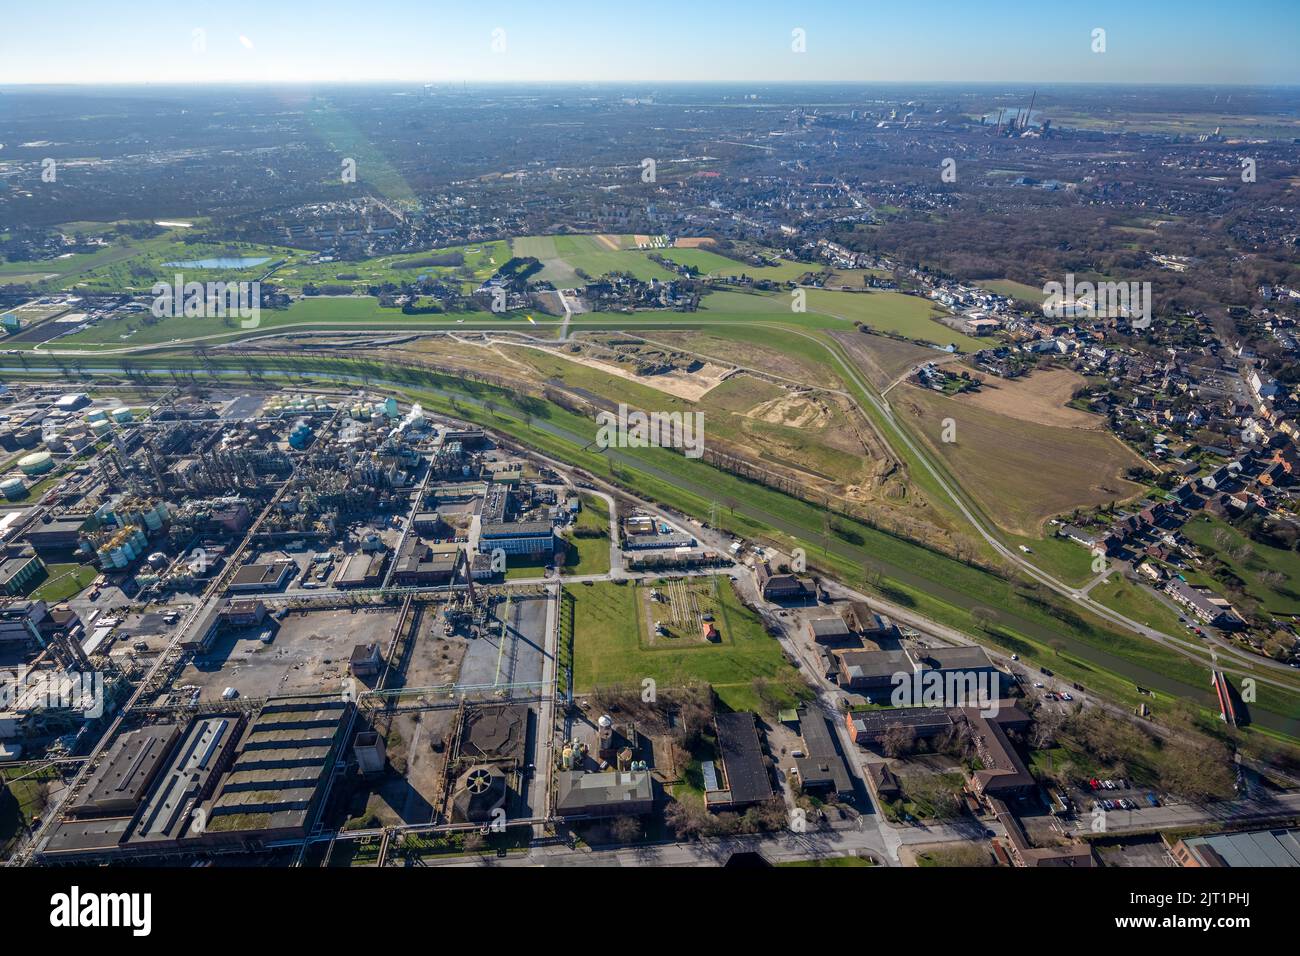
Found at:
<point>19,575</point>
<point>582,794</point>
<point>534,538</point>
<point>279,800</point>
<point>126,772</point>
<point>744,779</point>
<point>252,578</point>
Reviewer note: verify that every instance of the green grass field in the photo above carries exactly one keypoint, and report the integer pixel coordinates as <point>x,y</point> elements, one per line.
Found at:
<point>62,272</point>
<point>1063,559</point>
<point>1137,602</point>
<point>907,315</point>
<point>611,647</point>
<point>587,555</point>
<point>563,257</point>
<point>64,581</point>
<point>23,796</point>
<point>1278,597</point>
<point>711,264</point>
<point>1027,294</point>
<point>479,261</point>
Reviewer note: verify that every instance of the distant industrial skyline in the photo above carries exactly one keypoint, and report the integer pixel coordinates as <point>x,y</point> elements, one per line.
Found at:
<point>288,41</point>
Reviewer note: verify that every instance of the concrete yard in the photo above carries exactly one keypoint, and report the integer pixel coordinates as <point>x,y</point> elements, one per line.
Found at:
<point>491,660</point>
<point>308,655</point>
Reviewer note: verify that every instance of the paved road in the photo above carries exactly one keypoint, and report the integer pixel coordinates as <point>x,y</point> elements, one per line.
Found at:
<point>775,848</point>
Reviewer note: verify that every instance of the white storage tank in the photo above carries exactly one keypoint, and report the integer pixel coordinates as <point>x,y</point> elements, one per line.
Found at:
<point>37,463</point>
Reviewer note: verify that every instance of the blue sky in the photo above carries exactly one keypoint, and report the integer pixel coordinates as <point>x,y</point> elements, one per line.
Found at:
<point>1147,41</point>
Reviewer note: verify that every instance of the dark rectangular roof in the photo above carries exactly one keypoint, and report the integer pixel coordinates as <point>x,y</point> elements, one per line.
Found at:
<point>516,529</point>
<point>952,658</point>
<point>816,735</point>
<point>580,792</point>
<point>262,575</point>
<point>742,758</point>
<point>120,780</point>
<point>829,626</point>
<point>875,664</point>
<point>920,719</point>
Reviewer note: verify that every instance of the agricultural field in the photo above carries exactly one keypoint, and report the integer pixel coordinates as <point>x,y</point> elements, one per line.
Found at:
<point>563,257</point>
<point>1020,472</point>
<point>1040,397</point>
<point>854,279</point>
<point>611,646</point>
<point>711,264</point>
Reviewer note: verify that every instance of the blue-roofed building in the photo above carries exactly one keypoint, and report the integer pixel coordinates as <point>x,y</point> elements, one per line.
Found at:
<point>1269,848</point>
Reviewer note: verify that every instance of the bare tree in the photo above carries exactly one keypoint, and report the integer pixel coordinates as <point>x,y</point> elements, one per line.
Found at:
<point>625,829</point>
<point>897,740</point>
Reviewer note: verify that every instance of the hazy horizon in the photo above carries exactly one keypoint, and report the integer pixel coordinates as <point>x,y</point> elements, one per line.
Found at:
<point>153,42</point>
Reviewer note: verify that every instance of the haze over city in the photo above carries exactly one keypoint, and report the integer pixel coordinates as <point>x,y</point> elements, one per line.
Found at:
<point>340,41</point>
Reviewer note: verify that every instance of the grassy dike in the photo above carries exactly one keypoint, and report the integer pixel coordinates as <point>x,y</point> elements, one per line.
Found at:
<point>1037,624</point>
